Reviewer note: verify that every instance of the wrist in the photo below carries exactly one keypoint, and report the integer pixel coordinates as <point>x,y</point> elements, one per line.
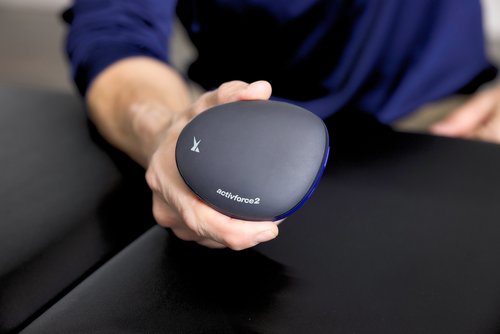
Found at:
<point>149,123</point>
<point>133,102</point>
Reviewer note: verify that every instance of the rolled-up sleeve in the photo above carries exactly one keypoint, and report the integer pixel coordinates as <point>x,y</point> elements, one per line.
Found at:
<point>102,32</point>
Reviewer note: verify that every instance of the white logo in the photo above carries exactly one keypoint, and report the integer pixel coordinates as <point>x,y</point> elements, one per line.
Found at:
<point>238,198</point>
<point>195,145</point>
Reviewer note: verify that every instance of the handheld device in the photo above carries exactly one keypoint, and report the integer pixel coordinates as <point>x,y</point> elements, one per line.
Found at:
<point>253,160</point>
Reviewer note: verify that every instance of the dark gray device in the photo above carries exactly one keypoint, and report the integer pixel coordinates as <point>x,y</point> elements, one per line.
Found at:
<point>253,160</point>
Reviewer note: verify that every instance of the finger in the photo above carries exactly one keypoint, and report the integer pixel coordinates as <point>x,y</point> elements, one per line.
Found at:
<point>233,233</point>
<point>234,91</point>
<point>191,219</point>
<point>238,90</point>
<point>258,90</point>
<point>188,235</point>
<point>238,234</point>
<point>211,244</point>
<point>163,214</point>
<point>490,130</point>
<point>467,119</point>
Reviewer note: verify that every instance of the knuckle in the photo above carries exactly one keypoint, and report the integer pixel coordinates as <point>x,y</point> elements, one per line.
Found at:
<point>151,179</point>
<point>202,230</point>
<point>195,225</point>
<point>221,93</point>
<point>155,176</point>
<point>163,216</point>
<point>189,218</point>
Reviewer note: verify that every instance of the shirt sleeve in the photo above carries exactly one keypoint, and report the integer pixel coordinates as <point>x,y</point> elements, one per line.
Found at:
<point>102,32</point>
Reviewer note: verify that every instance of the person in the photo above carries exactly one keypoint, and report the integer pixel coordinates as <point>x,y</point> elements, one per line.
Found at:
<point>383,57</point>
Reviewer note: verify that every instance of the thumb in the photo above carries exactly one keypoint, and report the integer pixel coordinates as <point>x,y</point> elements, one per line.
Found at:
<point>233,91</point>
<point>258,90</point>
<point>467,119</point>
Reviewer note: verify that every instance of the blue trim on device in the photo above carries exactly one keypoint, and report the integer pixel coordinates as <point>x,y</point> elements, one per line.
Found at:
<point>315,184</point>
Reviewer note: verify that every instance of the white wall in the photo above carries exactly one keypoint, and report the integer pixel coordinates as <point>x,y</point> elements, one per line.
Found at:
<point>491,13</point>
<point>49,5</point>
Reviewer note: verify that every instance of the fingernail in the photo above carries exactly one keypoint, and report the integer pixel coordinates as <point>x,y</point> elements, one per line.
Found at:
<point>265,236</point>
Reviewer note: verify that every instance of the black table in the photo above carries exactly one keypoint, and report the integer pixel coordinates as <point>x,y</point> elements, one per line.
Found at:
<point>401,236</point>
<point>68,202</point>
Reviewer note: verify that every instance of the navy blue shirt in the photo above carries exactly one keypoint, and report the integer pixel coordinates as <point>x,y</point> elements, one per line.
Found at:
<point>384,57</point>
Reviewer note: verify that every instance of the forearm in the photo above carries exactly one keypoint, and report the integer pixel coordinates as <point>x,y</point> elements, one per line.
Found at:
<point>141,106</point>
<point>133,101</point>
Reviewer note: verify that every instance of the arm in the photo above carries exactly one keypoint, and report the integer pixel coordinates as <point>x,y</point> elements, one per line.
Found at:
<point>133,100</point>
<point>140,105</point>
<point>118,51</point>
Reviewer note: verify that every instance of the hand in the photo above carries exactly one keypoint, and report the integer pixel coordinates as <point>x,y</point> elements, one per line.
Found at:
<point>477,119</point>
<point>177,207</point>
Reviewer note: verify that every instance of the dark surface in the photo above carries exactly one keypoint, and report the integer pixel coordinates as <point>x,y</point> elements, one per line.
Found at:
<point>267,152</point>
<point>66,205</point>
<point>401,236</point>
